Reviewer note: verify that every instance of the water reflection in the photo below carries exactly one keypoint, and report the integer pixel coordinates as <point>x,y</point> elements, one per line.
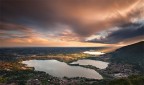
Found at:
<point>96,63</point>
<point>61,69</point>
<point>93,53</point>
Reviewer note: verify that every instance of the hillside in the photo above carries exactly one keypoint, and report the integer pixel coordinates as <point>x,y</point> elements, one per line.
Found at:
<point>131,54</point>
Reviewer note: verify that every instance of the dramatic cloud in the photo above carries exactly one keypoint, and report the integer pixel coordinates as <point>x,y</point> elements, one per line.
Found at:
<point>123,33</point>
<point>12,35</point>
<point>9,30</point>
<point>66,20</point>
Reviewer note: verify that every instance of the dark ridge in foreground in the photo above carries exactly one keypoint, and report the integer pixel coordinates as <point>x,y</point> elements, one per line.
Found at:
<point>131,54</point>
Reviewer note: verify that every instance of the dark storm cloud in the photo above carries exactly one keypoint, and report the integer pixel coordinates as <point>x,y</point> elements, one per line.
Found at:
<point>26,12</point>
<point>78,14</point>
<point>127,31</point>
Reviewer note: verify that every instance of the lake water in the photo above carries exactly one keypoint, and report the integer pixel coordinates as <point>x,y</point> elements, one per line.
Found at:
<point>61,69</point>
<point>96,63</point>
<point>93,53</point>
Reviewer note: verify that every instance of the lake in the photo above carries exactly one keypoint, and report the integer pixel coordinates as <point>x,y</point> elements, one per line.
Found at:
<point>96,63</point>
<point>62,69</point>
<point>93,53</point>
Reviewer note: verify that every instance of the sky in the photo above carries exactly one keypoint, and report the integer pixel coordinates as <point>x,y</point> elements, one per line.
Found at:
<point>71,23</point>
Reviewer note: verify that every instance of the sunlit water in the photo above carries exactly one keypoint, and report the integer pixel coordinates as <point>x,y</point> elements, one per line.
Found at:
<point>61,69</point>
<point>93,53</point>
<point>96,63</point>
